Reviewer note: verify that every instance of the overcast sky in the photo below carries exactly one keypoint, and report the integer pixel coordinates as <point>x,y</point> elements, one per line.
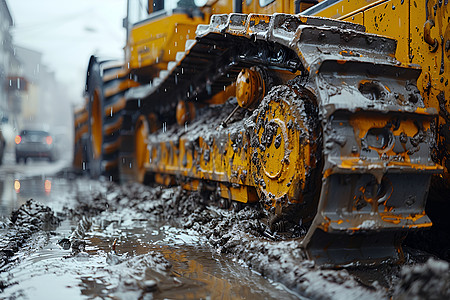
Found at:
<point>68,32</point>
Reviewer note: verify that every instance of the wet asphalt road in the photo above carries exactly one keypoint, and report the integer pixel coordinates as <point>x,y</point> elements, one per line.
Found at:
<point>36,179</point>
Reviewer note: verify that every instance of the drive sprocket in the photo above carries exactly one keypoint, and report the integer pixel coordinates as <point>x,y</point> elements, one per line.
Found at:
<point>287,153</point>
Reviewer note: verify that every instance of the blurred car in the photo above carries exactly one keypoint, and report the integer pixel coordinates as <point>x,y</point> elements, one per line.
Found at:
<point>34,144</point>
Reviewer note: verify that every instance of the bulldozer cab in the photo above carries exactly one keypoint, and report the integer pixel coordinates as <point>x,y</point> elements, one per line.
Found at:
<point>157,30</point>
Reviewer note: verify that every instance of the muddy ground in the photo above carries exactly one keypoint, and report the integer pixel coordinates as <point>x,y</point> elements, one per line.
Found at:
<point>134,241</point>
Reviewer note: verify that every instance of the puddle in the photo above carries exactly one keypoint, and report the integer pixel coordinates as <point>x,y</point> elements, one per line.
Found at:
<point>202,273</point>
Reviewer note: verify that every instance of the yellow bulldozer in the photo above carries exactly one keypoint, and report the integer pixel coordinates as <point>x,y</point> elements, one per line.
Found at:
<point>330,114</point>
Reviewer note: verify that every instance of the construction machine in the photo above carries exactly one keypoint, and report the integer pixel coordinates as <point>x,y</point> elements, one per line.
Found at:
<point>330,114</point>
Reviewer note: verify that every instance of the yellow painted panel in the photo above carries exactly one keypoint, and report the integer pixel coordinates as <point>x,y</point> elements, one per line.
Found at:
<point>158,41</point>
<point>357,18</point>
<point>391,18</point>
<point>344,8</point>
<point>222,7</point>
<point>435,61</point>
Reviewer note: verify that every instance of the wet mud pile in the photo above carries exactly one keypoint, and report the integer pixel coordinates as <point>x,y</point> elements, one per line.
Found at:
<point>30,218</point>
<point>114,264</point>
<point>245,236</point>
<point>426,281</point>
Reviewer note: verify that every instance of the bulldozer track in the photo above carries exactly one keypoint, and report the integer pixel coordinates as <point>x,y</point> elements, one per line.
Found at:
<point>364,142</point>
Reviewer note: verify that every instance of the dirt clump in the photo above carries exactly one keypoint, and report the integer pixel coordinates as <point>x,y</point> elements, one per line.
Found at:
<point>34,216</point>
<point>425,281</point>
<point>23,222</point>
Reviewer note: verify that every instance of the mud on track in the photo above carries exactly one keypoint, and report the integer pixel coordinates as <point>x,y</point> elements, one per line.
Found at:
<point>135,241</point>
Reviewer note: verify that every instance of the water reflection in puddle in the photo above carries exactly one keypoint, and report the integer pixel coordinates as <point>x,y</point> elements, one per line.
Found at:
<point>45,189</point>
<point>195,273</point>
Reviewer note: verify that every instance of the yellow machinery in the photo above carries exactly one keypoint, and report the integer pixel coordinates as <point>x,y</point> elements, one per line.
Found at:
<point>326,122</point>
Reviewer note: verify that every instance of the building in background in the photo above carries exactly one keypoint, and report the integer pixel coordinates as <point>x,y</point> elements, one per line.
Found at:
<point>30,94</point>
<point>9,99</point>
<point>30,67</point>
<point>6,49</point>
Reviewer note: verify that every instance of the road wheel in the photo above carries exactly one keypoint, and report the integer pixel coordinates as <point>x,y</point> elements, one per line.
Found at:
<point>134,150</point>
<point>105,88</point>
<point>141,147</point>
<point>94,89</point>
